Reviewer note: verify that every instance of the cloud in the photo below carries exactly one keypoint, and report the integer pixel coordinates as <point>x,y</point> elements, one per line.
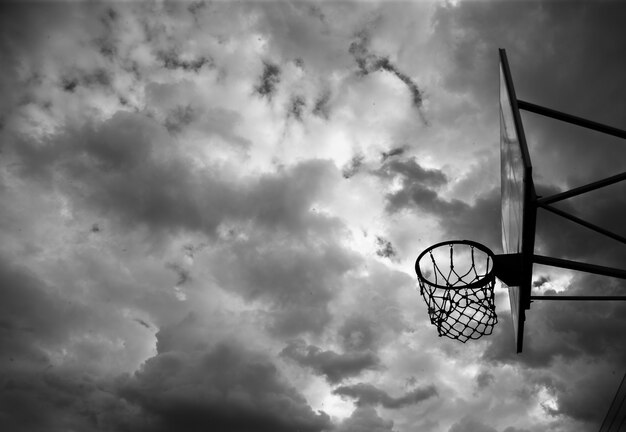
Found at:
<point>182,108</point>
<point>562,238</point>
<point>118,163</point>
<point>172,60</point>
<point>179,118</point>
<point>224,388</point>
<point>353,166</point>
<point>62,399</point>
<point>591,405</point>
<point>143,323</point>
<point>60,347</point>
<point>385,248</point>
<point>98,77</point>
<point>335,367</point>
<point>181,272</point>
<point>567,330</point>
<point>470,424</point>
<point>541,281</point>
<point>321,106</point>
<point>359,333</point>
<point>398,151</point>
<point>419,191</point>
<point>411,172</point>
<point>33,317</point>
<point>367,394</point>
<point>296,107</point>
<point>484,380</point>
<point>295,277</point>
<point>369,62</point>
<point>365,419</point>
<point>268,80</point>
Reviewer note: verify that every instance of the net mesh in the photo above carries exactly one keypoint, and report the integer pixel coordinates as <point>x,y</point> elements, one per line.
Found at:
<point>460,298</point>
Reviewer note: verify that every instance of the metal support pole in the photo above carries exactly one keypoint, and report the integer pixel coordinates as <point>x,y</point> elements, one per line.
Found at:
<point>568,118</point>
<point>582,189</point>
<point>582,222</point>
<point>574,265</point>
<point>578,298</point>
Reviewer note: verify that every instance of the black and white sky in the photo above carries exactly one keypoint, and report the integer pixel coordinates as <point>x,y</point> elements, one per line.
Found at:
<point>211,211</point>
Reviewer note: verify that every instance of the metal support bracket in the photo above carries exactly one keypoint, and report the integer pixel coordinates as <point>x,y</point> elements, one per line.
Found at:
<point>579,298</point>
<point>584,267</point>
<point>508,268</point>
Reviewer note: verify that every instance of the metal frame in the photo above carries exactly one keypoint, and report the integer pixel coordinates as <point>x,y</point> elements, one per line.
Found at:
<point>532,203</point>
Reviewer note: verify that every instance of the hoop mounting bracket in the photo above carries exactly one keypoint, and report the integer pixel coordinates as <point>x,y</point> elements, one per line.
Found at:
<point>507,268</point>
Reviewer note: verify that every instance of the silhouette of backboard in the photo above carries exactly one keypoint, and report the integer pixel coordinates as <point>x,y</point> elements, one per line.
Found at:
<point>517,194</point>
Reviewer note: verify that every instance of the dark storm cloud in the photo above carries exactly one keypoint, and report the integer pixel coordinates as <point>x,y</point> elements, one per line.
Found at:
<point>33,315</point>
<point>38,393</point>
<point>225,388</point>
<point>384,248</point>
<point>107,43</point>
<point>181,107</point>
<point>565,239</point>
<point>35,400</point>
<point>124,167</point>
<point>296,107</point>
<point>579,405</point>
<point>568,330</point>
<point>296,278</point>
<point>98,77</point>
<point>321,106</point>
<point>367,394</point>
<point>416,94</point>
<point>182,273</point>
<point>419,191</point>
<point>412,172</point>
<point>353,166</point>
<point>471,424</point>
<point>191,384</point>
<point>369,62</point>
<point>172,60</point>
<point>335,367</point>
<point>484,380</point>
<point>365,419</point>
<point>143,323</point>
<point>398,151</point>
<point>180,117</point>
<point>541,281</point>
<point>571,61</point>
<point>196,6</point>
<point>69,84</point>
<point>268,80</point>
<point>128,176</point>
<point>358,333</point>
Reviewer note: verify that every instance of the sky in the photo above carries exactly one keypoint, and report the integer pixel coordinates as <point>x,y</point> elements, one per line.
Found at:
<point>211,213</point>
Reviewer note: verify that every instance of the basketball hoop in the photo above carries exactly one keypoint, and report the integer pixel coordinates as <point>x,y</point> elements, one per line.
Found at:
<point>457,280</point>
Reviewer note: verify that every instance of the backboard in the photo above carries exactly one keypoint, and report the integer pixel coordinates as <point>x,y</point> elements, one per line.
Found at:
<point>517,194</point>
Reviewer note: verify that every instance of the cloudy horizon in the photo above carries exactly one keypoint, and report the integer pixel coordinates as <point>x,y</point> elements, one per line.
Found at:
<point>212,212</point>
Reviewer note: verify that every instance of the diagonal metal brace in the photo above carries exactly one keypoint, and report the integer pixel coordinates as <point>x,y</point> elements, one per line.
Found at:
<point>582,189</point>
<point>568,118</point>
<point>578,298</point>
<point>584,267</point>
<point>582,222</point>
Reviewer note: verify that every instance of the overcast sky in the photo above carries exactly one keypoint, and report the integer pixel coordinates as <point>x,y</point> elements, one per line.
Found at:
<point>211,211</point>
